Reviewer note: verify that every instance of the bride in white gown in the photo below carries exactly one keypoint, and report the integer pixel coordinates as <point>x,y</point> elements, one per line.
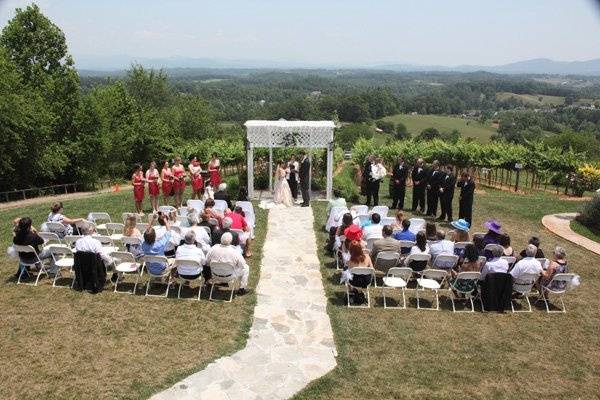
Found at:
<point>282,193</point>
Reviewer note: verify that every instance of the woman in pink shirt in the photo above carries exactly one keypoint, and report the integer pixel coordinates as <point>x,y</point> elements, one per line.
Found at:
<point>239,222</point>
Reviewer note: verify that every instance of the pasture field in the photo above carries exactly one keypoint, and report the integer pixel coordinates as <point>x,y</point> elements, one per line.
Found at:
<point>534,99</point>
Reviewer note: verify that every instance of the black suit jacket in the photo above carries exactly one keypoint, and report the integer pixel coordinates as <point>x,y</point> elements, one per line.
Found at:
<point>448,184</point>
<point>419,176</point>
<point>435,179</point>
<point>304,172</point>
<point>222,195</point>
<point>399,173</point>
<point>467,189</point>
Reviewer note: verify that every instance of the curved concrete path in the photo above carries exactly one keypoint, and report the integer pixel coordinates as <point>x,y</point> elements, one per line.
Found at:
<point>560,224</point>
<point>290,341</point>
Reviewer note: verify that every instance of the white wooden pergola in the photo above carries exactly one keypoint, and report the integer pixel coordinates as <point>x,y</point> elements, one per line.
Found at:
<point>301,134</point>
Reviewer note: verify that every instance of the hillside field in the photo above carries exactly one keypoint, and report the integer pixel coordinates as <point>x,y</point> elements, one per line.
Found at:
<point>534,99</point>
<point>467,127</point>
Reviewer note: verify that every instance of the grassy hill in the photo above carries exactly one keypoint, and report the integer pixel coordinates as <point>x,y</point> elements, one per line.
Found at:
<point>467,127</point>
<point>534,99</point>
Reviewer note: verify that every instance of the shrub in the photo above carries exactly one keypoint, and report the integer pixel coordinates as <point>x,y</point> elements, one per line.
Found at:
<point>386,126</point>
<point>233,186</point>
<point>590,214</point>
<point>344,182</point>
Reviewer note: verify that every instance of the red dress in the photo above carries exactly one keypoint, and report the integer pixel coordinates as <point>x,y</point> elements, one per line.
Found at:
<point>179,184</point>
<point>138,188</point>
<point>197,181</point>
<point>167,184</point>
<point>153,188</point>
<point>215,175</point>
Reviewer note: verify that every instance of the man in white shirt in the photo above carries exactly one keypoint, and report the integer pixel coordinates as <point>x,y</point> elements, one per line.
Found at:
<point>378,172</point>
<point>373,230</point>
<point>202,237</point>
<point>189,251</point>
<point>496,264</point>
<point>527,266</point>
<point>226,253</point>
<point>441,246</point>
<point>88,244</point>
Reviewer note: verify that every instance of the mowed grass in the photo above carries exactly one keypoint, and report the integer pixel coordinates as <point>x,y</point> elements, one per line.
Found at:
<point>58,343</point>
<point>468,128</point>
<point>406,354</point>
<point>586,231</point>
<point>539,99</point>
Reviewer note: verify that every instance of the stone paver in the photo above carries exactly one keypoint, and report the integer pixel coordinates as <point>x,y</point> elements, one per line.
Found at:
<point>290,342</point>
<point>560,224</point>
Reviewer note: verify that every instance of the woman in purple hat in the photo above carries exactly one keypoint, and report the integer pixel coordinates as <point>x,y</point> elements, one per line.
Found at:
<point>494,231</point>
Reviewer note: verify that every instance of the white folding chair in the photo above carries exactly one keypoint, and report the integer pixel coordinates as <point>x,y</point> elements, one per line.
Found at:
<point>50,239</point>
<point>183,221</point>
<point>115,230</point>
<point>335,217</point>
<point>370,242</point>
<point>361,209</point>
<point>510,260</point>
<point>416,225</point>
<point>479,234</point>
<point>384,261</point>
<point>459,247</point>
<point>197,205</point>
<point>363,218</point>
<point>523,286</point>
<point>182,212</point>
<point>63,259</point>
<point>100,219</point>
<point>124,264</point>
<point>167,209</point>
<point>405,246</point>
<point>125,215</point>
<point>180,262</point>
<point>220,205</point>
<point>388,221</point>
<point>360,271</point>
<point>381,210</point>
<point>57,228</point>
<point>166,273</point>
<point>338,252</point>
<point>431,279</point>
<point>247,206</point>
<point>107,243</point>
<point>445,262</point>
<point>472,277</point>
<point>71,239</point>
<point>37,263</point>
<point>481,260</point>
<point>176,229</point>
<point>490,247</point>
<point>543,262</point>
<point>558,286</point>
<point>223,273</point>
<point>397,278</point>
<point>417,262</point>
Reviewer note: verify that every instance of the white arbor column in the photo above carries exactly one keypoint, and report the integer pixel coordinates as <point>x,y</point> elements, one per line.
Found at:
<point>310,160</point>
<point>329,194</point>
<point>270,168</point>
<point>250,171</point>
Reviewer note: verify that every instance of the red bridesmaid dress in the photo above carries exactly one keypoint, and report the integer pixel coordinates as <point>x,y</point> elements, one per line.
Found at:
<point>153,188</point>
<point>197,181</point>
<point>138,188</point>
<point>167,184</point>
<point>179,183</point>
<point>215,175</point>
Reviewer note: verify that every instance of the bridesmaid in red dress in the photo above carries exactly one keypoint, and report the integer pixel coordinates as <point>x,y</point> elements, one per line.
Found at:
<point>152,177</point>
<point>196,177</point>
<point>179,183</point>
<point>214,165</point>
<point>137,180</point>
<point>166,176</point>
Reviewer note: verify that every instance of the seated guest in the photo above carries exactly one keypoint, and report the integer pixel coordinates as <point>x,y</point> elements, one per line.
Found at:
<point>358,258</point>
<point>495,264</point>
<point>527,265</point>
<point>430,231</point>
<point>494,231</point>
<point>461,230</point>
<point>337,201</point>
<point>26,235</point>
<point>203,240</point>
<point>387,243</point>
<point>441,246</point>
<point>222,194</point>
<point>421,246</point>
<point>87,243</point>
<point>239,222</point>
<point>534,240</point>
<point>479,244</point>
<point>189,251</point>
<point>504,241</point>
<point>373,230</point>
<point>57,216</point>
<point>558,265</point>
<point>217,233</point>
<point>204,217</point>
<point>398,222</point>
<point>470,264</point>
<point>334,243</point>
<point>161,229</point>
<point>130,230</point>
<point>226,253</point>
<point>153,247</point>
<point>212,214</point>
<point>242,194</point>
<point>405,234</point>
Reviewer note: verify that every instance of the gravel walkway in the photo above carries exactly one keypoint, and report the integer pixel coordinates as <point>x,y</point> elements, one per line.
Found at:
<point>290,342</point>
<point>559,224</point>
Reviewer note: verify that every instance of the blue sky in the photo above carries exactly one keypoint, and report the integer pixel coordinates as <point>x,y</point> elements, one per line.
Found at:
<point>444,32</point>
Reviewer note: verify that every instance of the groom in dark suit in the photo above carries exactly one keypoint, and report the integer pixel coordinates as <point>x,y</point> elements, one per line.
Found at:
<point>304,176</point>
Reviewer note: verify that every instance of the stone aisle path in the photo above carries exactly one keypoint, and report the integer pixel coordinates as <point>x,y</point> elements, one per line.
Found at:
<point>290,342</point>
<point>560,224</point>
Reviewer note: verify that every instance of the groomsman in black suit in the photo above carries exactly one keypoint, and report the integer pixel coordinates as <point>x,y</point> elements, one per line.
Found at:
<point>447,193</point>
<point>465,201</point>
<point>367,179</point>
<point>398,183</point>
<point>433,188</point>
<point>304,175</point>
<point>419,178</point>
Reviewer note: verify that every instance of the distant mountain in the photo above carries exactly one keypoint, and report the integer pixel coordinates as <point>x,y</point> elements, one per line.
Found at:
<point>535,66</point>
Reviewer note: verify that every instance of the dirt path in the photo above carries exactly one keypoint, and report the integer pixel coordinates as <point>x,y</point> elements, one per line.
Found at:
<point>560,224</point>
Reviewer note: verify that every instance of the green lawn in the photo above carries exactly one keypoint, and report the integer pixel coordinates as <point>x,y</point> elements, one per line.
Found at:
<point>59,343</point>
<point>467,127</point>
<point>586,231</point>
<point>406,354</point>
<point>534,99</point>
